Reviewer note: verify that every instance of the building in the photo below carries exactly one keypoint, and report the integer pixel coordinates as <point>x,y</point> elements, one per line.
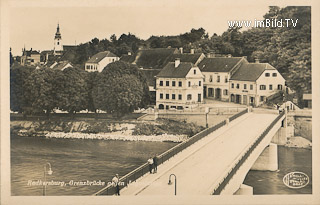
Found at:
<point>31,57</point>
<point>252,83</point>
<point>179,85</point>
<point>61,65</point>
<point>99,61</point>
<point>217,72</point>
<point>58,47</point>
<point>307,100</point>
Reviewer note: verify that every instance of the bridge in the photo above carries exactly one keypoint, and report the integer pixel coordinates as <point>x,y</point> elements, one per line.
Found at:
<point>215,161</point>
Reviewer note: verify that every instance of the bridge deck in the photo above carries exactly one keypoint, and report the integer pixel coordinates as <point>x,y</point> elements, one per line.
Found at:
<point>203,164</point>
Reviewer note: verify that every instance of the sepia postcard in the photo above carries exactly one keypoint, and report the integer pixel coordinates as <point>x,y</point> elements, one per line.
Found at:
<point>159,102</point>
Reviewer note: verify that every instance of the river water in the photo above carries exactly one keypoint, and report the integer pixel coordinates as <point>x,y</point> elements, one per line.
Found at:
<point>94,160</point>
<point>74,159</point>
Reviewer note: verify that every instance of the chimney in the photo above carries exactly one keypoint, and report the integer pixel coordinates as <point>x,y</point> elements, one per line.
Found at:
<point>257,60</point>
<point>181,50</point>
<point>177,62</point>
<point>191,51</point>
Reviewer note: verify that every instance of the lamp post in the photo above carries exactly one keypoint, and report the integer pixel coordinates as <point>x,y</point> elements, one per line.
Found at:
<point>207,112</point>
<point>175,183</point>
<point>49,172</point>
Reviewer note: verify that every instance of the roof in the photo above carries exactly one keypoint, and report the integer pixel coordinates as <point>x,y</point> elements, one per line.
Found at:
<point>155,58</point>
<point>251,71</point>
<point>31,52</point>
<point>169,71</point>
<point>186,57</point>
<point>218,64</point>
<point>69,47</point>
<point>127,58</point>
<point>99,56</point>
<point>60,65</point>
<point>150,75</point>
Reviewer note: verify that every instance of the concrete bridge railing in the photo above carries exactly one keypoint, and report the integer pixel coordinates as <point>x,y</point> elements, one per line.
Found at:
<point>143,169</point>
<point>222,184</point>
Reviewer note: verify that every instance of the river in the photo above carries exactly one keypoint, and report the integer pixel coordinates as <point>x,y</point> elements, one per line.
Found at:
<point>74,159</point>
<point>94,160</point>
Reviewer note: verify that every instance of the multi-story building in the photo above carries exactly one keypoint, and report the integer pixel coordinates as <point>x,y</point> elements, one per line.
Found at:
<point>31,57</point>
<point>217,72</point>
<point>252,83</point>
<point>179,85</point>
<point>99,61</point>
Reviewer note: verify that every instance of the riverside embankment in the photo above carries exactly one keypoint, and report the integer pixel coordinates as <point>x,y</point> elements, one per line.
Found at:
<point>159,130</point>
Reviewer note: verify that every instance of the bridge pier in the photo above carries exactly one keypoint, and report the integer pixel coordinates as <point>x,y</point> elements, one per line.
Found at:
<point>244,190</point>
<point>268,160</point>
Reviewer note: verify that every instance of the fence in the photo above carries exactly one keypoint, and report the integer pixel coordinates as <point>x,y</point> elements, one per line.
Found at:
<point>143,169</point>
<point>233,171</point>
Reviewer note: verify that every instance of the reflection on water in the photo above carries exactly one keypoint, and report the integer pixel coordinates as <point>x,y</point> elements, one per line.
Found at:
<point>74,159</point>
<point>290,160</point>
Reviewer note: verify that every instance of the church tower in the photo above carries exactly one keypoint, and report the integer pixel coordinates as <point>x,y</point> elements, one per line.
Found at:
<point>58,48</point>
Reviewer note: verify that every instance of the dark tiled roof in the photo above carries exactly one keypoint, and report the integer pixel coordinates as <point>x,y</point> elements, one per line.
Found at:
<point>61,65</point>
<point>186,57</point>
<point>150,75</point>
<point>153,58</point>
<point>169,71</point>
<point>31,52</point>
<point>69,47</point>
<point>127,58</point>
<point>218,64</point>
<point>251,71</point>
<point>99,56</point>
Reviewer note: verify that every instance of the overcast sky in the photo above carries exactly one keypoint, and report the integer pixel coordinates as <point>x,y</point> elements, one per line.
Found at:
<point>35,27</point>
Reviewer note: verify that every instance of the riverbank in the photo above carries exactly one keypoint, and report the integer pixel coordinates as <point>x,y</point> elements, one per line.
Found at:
<point>159,130</point>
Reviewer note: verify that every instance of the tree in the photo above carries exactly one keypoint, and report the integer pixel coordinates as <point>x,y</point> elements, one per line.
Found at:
<point>120,89</point>
<point>73,96</point>
<point>41,90</point>
<point>91,83</point>
<point>18,76</point>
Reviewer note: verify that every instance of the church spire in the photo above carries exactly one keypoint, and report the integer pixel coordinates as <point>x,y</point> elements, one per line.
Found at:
<point>58,34</point>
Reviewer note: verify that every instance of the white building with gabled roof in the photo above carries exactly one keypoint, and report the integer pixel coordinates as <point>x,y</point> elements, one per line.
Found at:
<point>179,85</point>
<point>252,83</point>
<point>100,60</point>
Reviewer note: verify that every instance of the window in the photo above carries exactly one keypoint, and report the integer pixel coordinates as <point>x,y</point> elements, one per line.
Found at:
<point>261,98</point>
<point>218,78</point>
<point>167,96</point>
<point>161,96</point>
<point>226,79</point>
<point>274,74</point>
<point>58,43</point>
<point>238,86</point>
<point>262,87</point>
<point>245,86</point>
<point>180,84</point>
<point>194,71</point>
<point>267,74</point>
<point>167,83</point>
<point>180,97</point>
<point>189,97</point>
<point>113,60</point>
<point>199,83</point>
<point>189,84</point>
<point>251,87</point>
<point>88,67</point>
<point>270,87</point>
<point>161,83</point>
<point>204,78</point>
<point>225,92</point>
<point>232,85</point>
<point>279,87</point>
<point>173,83</point>
<point>173,96</point>
<point>210,79</point>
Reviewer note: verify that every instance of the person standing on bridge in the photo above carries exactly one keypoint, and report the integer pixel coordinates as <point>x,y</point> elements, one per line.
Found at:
<point>155,164</point>
<point>115,182</point>
<point>150,162</point>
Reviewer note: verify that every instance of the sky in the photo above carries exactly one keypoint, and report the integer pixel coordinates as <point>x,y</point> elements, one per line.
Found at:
<point>34,26</point>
